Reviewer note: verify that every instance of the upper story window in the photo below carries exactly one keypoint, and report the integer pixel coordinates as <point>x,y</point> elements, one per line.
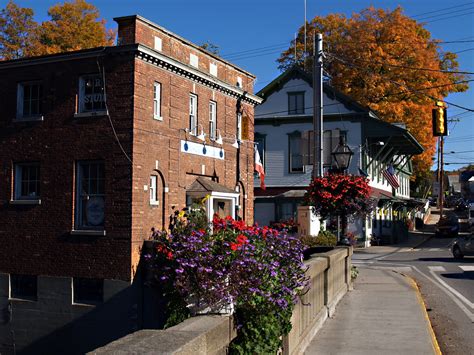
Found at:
<point>27,181</point>
<point>239,82</point>
<point>91,94</point>
<point>296,103</point>
<point>212,120</point>
<point>29,100</point>
<point>90,195</point>
<point>157,101</point>
<point>294,153</point>
<point>24,287</point>
<point>154,200</point>
<point>194,60</point>
<point>193,118</point>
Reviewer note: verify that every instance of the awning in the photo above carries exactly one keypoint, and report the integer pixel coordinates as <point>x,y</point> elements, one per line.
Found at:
<point>202,185</point>
<point>398,138</point>
<point>292,194</point>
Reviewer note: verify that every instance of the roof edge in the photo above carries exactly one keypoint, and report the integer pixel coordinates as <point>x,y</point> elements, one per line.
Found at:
<point>182,39</point>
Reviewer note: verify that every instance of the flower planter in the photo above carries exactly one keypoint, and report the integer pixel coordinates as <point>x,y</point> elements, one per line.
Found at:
<point>197,307</point>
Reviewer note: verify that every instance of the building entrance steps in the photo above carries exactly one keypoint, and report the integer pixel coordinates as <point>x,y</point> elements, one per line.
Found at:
<point>384,314</point>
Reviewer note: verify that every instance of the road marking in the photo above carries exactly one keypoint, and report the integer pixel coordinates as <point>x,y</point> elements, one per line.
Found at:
<point>452,290</point>
<point>437,268</point>
<point>466,268</point>
<point>435,249</point>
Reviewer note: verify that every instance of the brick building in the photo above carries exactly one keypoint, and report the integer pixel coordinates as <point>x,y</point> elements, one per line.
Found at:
<point>96,148</point>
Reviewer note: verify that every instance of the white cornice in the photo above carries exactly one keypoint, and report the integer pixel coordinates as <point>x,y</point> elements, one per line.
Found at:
<point>151,56</point>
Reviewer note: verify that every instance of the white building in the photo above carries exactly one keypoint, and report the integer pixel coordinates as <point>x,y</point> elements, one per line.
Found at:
<point>283,131</point>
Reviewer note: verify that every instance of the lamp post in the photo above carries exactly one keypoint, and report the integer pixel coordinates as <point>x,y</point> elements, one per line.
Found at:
<point>342,156</point>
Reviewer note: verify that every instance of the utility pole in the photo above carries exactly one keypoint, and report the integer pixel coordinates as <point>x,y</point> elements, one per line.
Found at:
<point>441,180</point>
<point>318,106</point>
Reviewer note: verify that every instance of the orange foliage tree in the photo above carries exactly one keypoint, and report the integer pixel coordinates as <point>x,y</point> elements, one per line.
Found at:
<point>17,32</point>
<point>72,26</point>
<point>388,62</point>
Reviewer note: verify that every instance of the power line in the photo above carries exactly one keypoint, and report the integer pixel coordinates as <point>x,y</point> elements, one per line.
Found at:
<point>444,14</point>
<point>404,86</point>
<point>446,8</point>
<point>445,18</point>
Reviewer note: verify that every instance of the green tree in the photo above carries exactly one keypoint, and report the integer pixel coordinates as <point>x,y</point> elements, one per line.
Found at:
<point>388,62</point>
<point>17,32</point>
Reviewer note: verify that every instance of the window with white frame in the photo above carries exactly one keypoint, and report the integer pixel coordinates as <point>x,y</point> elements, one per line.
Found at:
<point>193,119</point>
<point>29,100</point>
<point>157,101</point>
<point>239,126</point>
<point>154,200</point>
<point>91,94</point>
<point>212,119</point>
<point>90,195</point>
<point>27,181</point>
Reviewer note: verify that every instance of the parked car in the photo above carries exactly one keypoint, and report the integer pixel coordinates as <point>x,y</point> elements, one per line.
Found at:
<point>448,226</point>
<point>463,246</point>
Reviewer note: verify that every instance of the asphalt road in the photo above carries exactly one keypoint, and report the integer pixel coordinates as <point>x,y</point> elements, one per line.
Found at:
<point>446,284</point>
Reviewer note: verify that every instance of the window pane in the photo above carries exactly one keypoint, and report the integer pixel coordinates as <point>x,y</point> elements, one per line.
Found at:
<point>296,103</point>
<point>88,291</point>
<point>92,94</point>
<point>296,159</point>
<point>90,197</point>
<point>24,287</point>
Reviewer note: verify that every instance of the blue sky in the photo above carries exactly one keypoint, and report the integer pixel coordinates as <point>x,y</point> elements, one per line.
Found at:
<point>253,33</point>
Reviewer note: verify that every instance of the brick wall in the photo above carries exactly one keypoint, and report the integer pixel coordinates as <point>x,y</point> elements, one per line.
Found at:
<point>135,29</point>
<point>36,239</point>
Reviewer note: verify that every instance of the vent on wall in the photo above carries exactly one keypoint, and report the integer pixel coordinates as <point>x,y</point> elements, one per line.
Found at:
<point>194,60</point>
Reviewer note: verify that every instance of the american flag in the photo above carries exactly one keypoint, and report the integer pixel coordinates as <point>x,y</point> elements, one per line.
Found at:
<point>392,179</point>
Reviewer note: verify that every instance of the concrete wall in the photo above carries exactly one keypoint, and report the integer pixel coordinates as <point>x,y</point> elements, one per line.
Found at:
<point>330,279</point>
<point>54,325</point>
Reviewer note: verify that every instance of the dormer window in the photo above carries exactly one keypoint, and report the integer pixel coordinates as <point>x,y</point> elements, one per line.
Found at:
<point>296,103</point>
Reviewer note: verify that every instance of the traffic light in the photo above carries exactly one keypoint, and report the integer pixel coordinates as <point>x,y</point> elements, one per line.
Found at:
<point>440,121</point>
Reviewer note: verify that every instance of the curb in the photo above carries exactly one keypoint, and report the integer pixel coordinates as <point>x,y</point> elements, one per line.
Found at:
<point>434,341</point>
<point>423,241</point>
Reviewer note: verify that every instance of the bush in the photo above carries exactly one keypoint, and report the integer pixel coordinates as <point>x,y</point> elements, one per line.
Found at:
<point>324,239</point>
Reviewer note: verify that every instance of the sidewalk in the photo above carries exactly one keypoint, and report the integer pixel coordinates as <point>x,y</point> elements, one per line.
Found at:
<point>384,314</point>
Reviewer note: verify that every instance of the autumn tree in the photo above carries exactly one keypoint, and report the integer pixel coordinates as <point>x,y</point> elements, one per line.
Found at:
<point>388,62</point>
<point>18,32</point>
<point>73,26</point>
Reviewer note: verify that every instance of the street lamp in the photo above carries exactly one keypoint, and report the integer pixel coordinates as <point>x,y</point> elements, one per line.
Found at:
<point>342,155</point>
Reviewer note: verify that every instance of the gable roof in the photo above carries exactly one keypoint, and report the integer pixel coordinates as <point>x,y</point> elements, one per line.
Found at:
<point>295,72</point>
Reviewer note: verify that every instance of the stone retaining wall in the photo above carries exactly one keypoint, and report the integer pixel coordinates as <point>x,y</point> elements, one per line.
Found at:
<point>330,279</point>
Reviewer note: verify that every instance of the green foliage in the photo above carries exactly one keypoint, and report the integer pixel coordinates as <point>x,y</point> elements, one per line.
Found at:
<point>354,272</point>
<point>325,238</point>
<point>176,310</point>
<point>259,331</point>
